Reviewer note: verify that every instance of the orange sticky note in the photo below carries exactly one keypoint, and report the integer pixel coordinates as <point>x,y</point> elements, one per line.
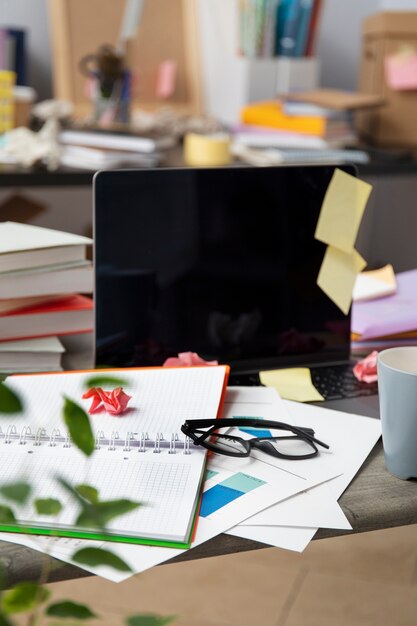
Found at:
<point>165,82</point>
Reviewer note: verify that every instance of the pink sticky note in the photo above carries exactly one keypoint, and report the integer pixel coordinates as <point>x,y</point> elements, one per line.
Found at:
<point>165,80</point>
<point>401,71</point>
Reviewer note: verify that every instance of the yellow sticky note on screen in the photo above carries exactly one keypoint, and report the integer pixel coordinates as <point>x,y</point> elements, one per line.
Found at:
<point>342,211</point>
<point>292,384</point>
<point>337,275</point>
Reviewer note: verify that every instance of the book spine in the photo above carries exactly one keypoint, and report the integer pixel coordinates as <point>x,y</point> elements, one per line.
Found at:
<point>313,27</point>
<point>19,61</point>
<point>303,27</point>
<point>268,40</point>
<point>3,51</point>
<point>288,38</point>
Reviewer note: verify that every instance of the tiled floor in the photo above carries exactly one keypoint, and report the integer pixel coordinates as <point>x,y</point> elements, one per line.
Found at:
<point>357,580</point>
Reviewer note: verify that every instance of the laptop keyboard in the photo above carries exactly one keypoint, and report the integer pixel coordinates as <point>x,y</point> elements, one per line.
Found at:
<point>338,382</point>
<point>333,383</point>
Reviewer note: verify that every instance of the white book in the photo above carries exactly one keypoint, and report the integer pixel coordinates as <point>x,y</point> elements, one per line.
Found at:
<point>45,282</point>
<point>31,355</point>
<point>141,455</point>
<point>14,304</point>
<point>26,246</point>
<point>115,141</point>
<point>276,139</point>
<point>93,159</point>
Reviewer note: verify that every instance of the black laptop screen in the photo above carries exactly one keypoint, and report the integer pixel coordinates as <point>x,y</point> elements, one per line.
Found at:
<point>222,262</point>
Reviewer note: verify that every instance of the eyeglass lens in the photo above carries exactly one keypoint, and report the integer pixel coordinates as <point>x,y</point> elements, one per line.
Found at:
<point>291,445</point>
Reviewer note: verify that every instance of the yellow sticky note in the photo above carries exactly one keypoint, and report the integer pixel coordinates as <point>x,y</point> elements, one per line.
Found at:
<point>292,384</point>
<point>337,275</point>
<point>342,211</point>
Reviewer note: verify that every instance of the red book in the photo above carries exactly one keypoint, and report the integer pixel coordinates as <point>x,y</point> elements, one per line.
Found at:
<point>62,316</point>
<point>313,28</point>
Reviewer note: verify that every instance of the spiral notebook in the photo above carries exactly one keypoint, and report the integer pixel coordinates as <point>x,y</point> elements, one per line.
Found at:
<point>141,455</point>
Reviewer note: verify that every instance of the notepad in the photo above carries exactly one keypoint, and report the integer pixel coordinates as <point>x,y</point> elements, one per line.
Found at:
<point>140,455</point>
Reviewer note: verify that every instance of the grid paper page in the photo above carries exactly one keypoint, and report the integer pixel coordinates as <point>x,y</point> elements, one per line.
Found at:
<point>167,485</point>
<point>162,399</point>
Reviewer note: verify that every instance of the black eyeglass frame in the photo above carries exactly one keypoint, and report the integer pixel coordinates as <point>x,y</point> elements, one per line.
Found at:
<point>192,429</point>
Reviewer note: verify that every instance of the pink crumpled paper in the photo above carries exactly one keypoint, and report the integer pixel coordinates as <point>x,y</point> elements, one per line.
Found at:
<point>187,359</point>
<point>113,402</point>
<point>365,370</point>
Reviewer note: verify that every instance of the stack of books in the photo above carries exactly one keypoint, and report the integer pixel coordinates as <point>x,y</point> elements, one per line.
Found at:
<point>386,321</point>
<point>319,120</point>
<point>44,276</point>
<point>100,149</point>
<point>296,124</point>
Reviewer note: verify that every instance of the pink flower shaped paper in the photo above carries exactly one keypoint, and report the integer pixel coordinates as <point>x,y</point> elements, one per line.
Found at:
<point>114,402</point>
<point>187,359</point>
<point>365,370</point>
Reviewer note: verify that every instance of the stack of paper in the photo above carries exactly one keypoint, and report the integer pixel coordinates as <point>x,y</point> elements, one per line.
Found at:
<point>275,502</point>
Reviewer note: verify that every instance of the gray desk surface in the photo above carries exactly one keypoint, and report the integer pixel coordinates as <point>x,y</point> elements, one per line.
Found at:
<point>374,500</point>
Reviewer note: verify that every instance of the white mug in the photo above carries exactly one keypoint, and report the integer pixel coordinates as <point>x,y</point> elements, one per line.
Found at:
<point>397,388</point>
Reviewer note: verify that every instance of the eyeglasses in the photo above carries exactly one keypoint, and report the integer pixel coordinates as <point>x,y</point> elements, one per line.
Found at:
<point>301,444</point>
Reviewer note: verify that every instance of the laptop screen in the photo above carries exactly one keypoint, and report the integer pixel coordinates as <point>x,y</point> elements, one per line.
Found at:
<point>222,262</point>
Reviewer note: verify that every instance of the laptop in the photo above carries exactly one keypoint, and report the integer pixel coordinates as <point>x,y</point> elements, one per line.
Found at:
<point>222,262</point>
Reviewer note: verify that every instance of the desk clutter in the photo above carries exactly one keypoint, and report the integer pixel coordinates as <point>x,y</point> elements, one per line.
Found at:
<point>44,275</point>
<point>277,501</point>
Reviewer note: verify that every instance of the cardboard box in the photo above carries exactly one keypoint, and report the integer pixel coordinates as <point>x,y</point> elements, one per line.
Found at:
<point>386,35</point>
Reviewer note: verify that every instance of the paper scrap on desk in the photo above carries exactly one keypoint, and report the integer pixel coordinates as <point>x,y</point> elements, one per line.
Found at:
<point>338,274</point>
<point>375,284</point>
<point>292,384</point>
<point>401,70</point>
<point>342,210</point>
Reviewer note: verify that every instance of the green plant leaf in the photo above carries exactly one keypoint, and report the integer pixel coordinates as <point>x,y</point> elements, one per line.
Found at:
<point>149,620</point>
<point>97,556</point>
<point>47,506</point>
<point>4,621</point>
<point>105,381</point>
<point>23,597</point>
<point>6,515</point>
<point>9,401</point>
<point>79,427</point>
<point>18,492</point>
<point>88,493</point>
<point>70,609</point>
<point>98,515</point>
<point>71,490</point>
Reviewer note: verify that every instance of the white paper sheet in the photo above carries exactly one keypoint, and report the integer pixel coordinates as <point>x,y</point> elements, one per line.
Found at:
<point>316,507</point>
<point>351,437</point>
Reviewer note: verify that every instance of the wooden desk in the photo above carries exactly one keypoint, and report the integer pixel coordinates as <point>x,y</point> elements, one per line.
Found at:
<point>374,500</point>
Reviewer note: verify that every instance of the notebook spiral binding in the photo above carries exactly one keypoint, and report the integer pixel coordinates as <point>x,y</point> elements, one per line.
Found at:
<point>141,442</point>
